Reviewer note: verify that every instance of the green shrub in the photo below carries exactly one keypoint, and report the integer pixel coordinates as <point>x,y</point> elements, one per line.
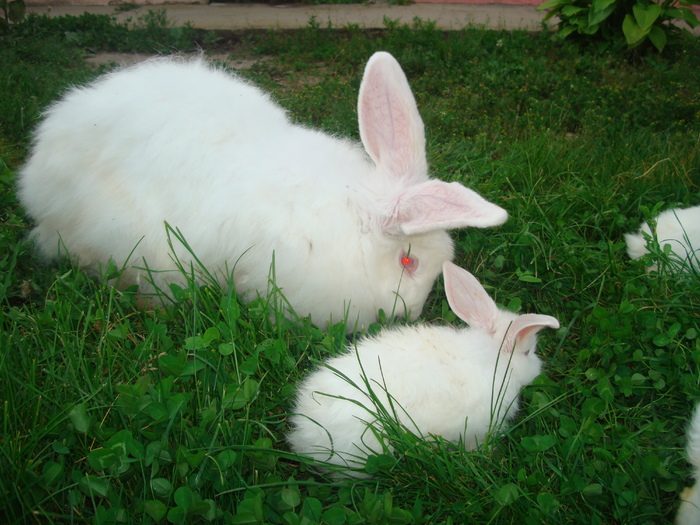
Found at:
<point>632,22</point>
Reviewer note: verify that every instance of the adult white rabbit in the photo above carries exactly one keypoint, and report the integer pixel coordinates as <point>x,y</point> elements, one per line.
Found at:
<point>678,227</point>
<point>689,510</point>
<point>350,231</point>
<point>456,383</point>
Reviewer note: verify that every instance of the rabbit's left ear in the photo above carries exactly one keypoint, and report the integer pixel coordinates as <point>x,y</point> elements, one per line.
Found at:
<point>437,205</point>
<point>524,329</point>
<point>390,126</point>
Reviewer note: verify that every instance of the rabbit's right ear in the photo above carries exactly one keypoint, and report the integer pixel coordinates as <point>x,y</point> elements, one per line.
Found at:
<point>390,126</point>
<point>468,299</point>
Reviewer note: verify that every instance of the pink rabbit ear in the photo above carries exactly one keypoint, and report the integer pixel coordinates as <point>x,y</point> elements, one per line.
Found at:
<point>437,205</point>
<point>525,328</point>
<point>468,299</point>
<point>390,126</point>
<point>474,306</point>
<point>392,133</point>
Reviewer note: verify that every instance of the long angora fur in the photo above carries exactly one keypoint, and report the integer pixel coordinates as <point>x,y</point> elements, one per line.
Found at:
<point>350,229</point>
<point>678,227</point>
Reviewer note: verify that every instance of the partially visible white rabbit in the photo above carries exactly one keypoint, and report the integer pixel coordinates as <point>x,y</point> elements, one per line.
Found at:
<point>679,227</point>
<point>456,383</point>
<point>689,510</point>
<point>350,230</point>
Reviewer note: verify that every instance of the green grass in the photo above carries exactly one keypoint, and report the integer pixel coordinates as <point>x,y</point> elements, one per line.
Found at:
<point>115,415</point>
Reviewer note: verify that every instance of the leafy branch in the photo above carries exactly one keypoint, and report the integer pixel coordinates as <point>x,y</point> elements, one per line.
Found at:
<point>635,21</point>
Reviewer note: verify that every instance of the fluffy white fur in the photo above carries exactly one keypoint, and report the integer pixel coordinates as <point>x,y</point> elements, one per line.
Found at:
<point>689,510</point>
<point>180,141</point>
<point>456,383</point>
<point>679,227</point>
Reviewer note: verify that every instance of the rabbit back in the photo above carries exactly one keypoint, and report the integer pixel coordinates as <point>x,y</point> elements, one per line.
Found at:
<point>182,132</point>
<point>440,380</point>
<point>678,227</point>
<point>681,228</point>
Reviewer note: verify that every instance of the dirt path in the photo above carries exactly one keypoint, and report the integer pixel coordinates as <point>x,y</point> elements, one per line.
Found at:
<point>289,16</point>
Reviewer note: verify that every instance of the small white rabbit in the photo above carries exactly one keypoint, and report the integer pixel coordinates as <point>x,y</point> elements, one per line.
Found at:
<point>350,230</point>
<point>679,227</point>
<point>689,510</point>
<point>456,383</point>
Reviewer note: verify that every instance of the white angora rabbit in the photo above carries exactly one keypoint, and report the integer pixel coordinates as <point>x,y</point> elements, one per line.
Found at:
<point>350,230</point>
<point>689,511</point>
<point>679,227</point>
<point>453,382</point>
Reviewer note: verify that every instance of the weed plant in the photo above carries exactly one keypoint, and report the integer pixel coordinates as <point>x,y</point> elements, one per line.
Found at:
<point>113,414</point>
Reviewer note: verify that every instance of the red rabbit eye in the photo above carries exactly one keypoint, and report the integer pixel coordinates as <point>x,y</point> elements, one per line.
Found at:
<point>408,263</point>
